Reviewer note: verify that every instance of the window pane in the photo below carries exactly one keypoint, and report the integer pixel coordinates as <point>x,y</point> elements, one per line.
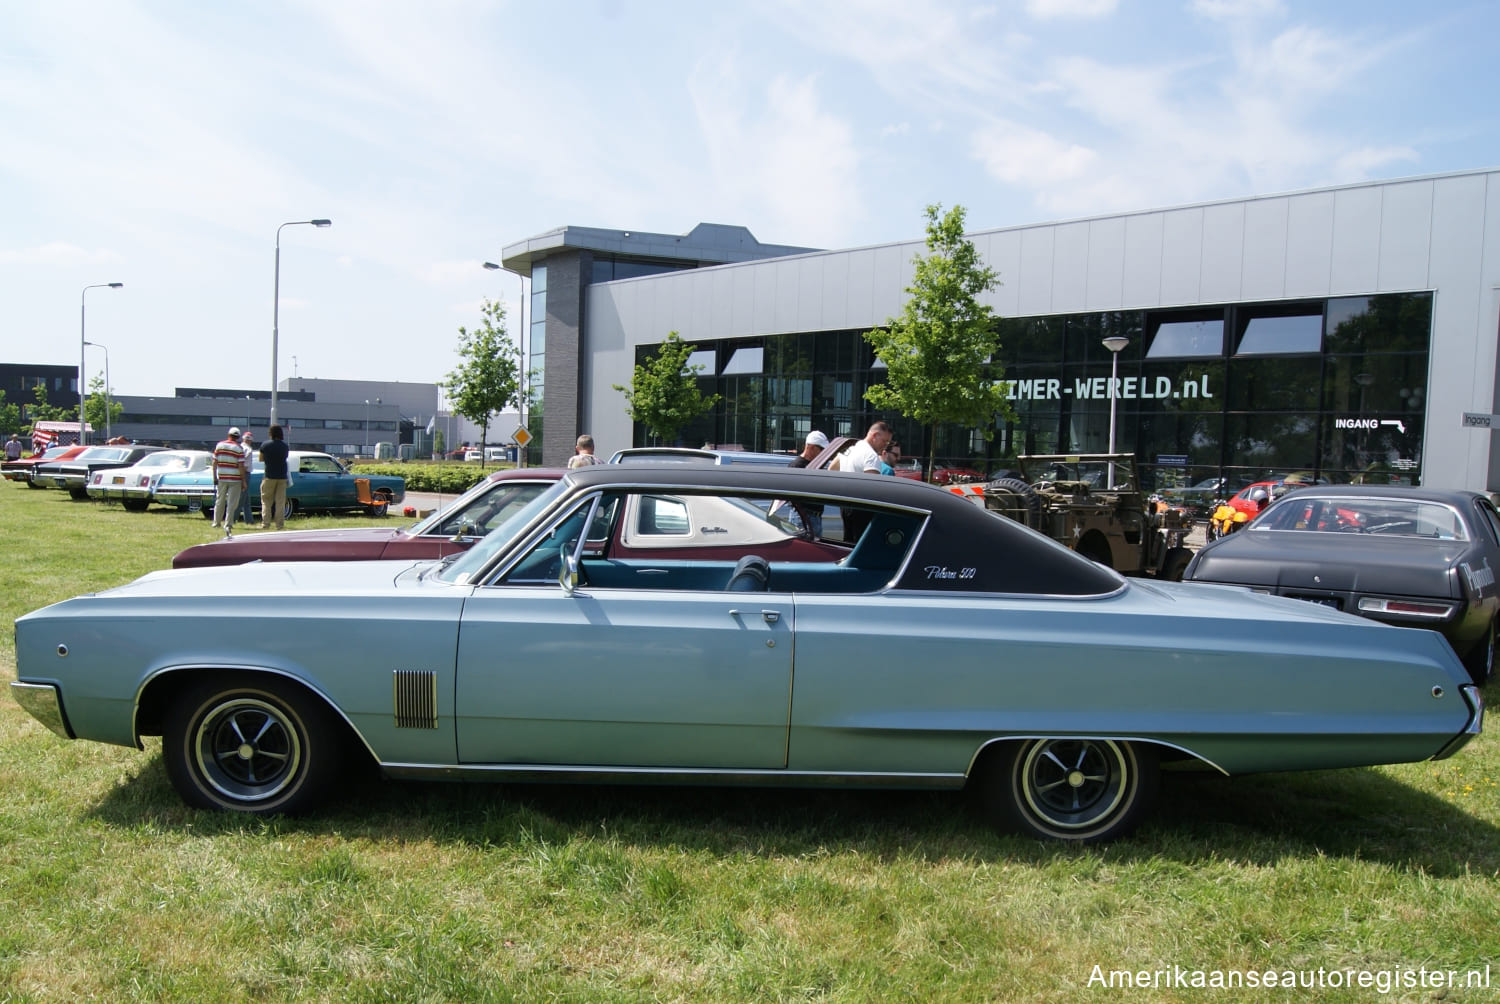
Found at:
<point>1295,333</point>
<point>1202,336</point>
<point>746,360</point>
<point>702,362</point>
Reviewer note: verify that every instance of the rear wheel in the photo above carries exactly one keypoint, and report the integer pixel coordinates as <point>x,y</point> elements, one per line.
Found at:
<point>1175,563</point>
<point>135,505</point>
<point>291,508</point>
<point>256,746</point>
<point>1480,662</point>
<point>1072,789</point>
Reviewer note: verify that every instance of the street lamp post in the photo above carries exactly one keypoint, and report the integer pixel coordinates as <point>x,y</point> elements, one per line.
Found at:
<point>82,343</point>
<point>367,427</point>
<point>108,432</point>
<point>1114,343</point>
<point>276,304</point>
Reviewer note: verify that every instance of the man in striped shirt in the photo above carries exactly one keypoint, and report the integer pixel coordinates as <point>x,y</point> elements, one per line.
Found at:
<point>231,467</point>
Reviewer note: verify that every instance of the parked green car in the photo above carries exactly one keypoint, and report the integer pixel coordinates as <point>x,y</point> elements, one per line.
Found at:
<point>318,481</point>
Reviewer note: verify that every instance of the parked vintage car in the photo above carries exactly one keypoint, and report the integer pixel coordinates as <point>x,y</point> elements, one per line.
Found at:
<point>20,470</point>
<point>317,481</point>
<point>690,455</point>
<point>132,487</point>
<point>535,656</point>
<point>662,529</point>
<point>72,475</point>
<point>1418,557</point>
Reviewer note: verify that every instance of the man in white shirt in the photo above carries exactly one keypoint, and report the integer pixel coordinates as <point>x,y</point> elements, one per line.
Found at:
<point>863,457</point>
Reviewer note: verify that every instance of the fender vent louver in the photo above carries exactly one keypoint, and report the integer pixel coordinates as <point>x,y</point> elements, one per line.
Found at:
<point>415,699</point>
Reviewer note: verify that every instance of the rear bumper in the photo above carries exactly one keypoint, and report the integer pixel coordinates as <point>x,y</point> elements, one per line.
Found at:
<point>42,702</point>
<point>1475,699</point>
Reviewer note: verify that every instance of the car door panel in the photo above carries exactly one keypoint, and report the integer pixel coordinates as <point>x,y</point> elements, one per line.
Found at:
<point>624,677</point>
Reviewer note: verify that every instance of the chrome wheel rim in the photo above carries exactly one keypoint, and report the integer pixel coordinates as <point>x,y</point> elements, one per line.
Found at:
<point>1072,784</point>
<point>248,749</point>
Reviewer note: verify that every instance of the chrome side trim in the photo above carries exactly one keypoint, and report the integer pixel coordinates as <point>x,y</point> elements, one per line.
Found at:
<point>1118,739</point>
<point>592,774</point>
<point>414,698</point>
<point>42,702</point>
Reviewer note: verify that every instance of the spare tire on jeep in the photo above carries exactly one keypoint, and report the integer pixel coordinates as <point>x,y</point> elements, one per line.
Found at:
<point>1014,499</point>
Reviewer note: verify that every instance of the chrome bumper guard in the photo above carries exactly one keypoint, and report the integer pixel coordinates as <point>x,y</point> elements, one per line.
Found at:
<point>42,702</point>
<point>1471,694</point>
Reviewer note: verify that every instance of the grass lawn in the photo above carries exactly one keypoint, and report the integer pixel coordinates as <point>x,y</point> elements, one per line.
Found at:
<point>112,890</point>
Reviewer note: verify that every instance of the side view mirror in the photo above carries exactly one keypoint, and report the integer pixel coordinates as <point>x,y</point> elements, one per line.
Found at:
<point>465,529</point>
<point>569,576</point>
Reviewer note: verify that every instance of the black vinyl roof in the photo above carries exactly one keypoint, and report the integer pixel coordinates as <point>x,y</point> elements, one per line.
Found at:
<point>986,552</point>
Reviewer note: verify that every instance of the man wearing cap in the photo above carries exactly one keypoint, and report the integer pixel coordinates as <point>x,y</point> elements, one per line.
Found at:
<point>247,443</point>
<point>816,444</point>
<point>230,469</point>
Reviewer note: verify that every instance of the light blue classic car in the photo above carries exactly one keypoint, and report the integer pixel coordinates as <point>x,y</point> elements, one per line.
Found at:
<point>944,646</point>
<point>316,481</point>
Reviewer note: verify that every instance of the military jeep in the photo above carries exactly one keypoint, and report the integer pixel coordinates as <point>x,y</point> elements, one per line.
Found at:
<point>1093,504</point>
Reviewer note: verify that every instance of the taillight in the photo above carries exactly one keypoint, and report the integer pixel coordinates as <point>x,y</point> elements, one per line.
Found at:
<point>1417,609</point>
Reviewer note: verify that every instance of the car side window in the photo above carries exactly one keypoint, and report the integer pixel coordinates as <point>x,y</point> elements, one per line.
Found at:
<point>1490,518</point>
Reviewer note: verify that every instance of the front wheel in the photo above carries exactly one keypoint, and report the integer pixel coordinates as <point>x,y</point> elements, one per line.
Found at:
<point>256,746</point>
<point>1071,789</point>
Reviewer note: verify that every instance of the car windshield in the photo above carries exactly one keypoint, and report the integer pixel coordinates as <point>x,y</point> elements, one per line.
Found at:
<point>103,453</point>
<point>1382,516</point>
<point>169,461</point>
<point>472,560</point>
<point>483,508</point>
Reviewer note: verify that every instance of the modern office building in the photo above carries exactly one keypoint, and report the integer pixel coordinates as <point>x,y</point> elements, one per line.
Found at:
<point>1343,331</point>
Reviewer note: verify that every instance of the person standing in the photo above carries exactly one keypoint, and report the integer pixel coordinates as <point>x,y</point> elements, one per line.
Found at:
<point>890,457</point>
<point>583,453</point>
<point>247,508</point>
<point>229,469</point>
<point>863,457</point>
<point>815,444</point>
<point>273,480</point>
<point>12,448</point>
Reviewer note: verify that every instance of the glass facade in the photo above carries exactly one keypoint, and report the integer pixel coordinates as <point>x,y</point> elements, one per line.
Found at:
<point>536,362</point>
<point>1335,388</point>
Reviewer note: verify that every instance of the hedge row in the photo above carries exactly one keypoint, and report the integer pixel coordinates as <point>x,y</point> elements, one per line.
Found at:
<point>447,478</point>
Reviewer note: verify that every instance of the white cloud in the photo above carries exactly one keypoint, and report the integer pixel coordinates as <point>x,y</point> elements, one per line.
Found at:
<point>777,156</point>
<point>1024,156</point>
<point>1047,10</point>
<point>59,253</point>
<point>1236,10</point>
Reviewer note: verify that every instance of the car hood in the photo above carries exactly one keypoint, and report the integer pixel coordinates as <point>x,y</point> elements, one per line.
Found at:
<point>1337,562</point>
<point>352,544</point>
<point>305,578</point>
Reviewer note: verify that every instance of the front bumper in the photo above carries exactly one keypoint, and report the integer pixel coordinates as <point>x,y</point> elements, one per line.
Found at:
<point>42,702</point>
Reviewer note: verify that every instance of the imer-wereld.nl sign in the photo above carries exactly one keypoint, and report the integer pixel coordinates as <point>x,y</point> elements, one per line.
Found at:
<point>1125,388</point>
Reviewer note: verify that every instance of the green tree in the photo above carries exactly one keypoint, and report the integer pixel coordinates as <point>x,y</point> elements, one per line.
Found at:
<point>10,416</point>
<point>99,410</point>
<point>663,394</point>
<point>940,353</point>
<point>488,380</point>
<point>41,411</point>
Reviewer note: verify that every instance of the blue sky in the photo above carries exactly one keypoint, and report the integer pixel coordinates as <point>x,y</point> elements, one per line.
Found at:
<point>161,143</point>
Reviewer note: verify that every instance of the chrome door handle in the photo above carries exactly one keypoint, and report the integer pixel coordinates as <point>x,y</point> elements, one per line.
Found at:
<point>771,616</point>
